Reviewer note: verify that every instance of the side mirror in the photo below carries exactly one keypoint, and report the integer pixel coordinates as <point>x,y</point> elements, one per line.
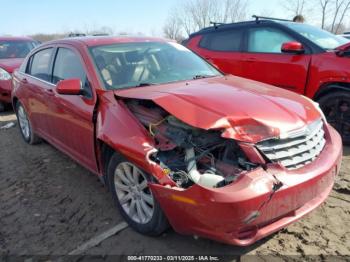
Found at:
<point>292,48</point>
<point>69,87</point>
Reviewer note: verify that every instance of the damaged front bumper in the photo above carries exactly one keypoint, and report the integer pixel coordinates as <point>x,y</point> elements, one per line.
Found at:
<point>249,209</point>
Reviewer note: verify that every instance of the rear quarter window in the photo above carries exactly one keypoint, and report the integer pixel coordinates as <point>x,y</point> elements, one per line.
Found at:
<point>223,41</point>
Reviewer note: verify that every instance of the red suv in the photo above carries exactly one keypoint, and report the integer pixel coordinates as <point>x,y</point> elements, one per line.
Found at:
<point>12,52</point>
<point>174,140</point>
<point>294,56</point>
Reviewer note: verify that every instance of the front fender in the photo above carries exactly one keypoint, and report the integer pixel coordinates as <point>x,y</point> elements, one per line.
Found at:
<point>117,127</point>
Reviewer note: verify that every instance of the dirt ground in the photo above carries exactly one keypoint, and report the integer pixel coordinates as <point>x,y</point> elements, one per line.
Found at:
<point>49,205</point>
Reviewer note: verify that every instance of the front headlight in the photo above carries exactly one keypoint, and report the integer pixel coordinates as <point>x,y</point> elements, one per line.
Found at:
<point>318,108</point>
<point>4,75</point>
<point>317,105</point>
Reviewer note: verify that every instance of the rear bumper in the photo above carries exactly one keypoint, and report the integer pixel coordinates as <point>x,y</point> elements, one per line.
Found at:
<point>5,91</point>
<point>227,214</point>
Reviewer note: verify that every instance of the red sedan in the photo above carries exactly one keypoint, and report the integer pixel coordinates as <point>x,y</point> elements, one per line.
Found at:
<point>12,52</point>
<point>176,141</point>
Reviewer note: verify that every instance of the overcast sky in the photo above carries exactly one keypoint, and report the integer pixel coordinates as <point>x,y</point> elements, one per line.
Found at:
<point>25,17</point>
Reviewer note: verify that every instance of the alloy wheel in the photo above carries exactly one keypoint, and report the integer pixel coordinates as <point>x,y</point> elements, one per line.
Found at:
<point>133,193</point>
<point>23,122</point>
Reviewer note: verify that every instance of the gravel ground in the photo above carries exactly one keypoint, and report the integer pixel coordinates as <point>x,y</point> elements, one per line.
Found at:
<point>49,205</point>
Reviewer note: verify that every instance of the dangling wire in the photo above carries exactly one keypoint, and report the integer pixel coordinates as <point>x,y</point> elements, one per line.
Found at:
<point>151,125</point>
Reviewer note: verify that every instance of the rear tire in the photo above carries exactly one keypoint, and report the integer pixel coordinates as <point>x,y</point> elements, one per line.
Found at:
<point>2,107</point>
<point>336,107</point>
<point>133,197</point>
<point>25,126</point>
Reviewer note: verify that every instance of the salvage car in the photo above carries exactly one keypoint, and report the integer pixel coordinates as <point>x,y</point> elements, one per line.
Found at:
<point>12,52</point>
<point>295,56</point>
<point>175,140</point>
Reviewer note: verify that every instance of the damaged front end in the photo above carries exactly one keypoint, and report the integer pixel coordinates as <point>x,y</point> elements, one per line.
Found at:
<point>190,155</point>
<point>234,191</point>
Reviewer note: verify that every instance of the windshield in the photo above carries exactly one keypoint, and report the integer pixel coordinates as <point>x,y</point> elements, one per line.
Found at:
<point>15,49</point>
<point>320,37</point>
<point>125,65</point>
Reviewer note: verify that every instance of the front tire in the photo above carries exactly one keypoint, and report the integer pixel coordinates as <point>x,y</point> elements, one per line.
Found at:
<point>25,126</point>
<point>2,107</point>
<point>336,107</point>
<point>133,197</point>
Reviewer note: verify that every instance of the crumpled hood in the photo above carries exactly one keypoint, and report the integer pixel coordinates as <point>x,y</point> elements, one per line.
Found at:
<point>10,64</point>
<point>246,110</point>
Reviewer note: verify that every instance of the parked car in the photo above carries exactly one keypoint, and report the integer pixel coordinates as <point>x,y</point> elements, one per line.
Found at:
<point>294,56</point>
<point>346,35</point>
<point>12,52</point>
<point>176,141</point>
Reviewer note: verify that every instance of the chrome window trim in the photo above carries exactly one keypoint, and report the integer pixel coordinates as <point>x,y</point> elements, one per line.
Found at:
<point>36,78</point>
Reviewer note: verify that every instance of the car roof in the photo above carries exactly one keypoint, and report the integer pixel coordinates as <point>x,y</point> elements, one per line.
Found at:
<point>220,26</point>
<point>15,38</point>
<point>106,40</point>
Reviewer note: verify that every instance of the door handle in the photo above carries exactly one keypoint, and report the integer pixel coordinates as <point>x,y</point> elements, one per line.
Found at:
<point>49,92</point>
<point>24,81</point>
<point>250,59</point>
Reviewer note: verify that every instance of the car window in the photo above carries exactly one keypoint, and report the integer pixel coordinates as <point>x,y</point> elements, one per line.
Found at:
<point>267,40</point>
<point>67,66</point>
<point>222,41</point>
<point>15,48</point>
<point>318,36</point>
<point>40,64</point>
<point>136,64</point>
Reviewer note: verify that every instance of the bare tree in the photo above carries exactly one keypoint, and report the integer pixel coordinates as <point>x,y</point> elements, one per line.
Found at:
<point>47,37</point>
<point>196,14</point>
<point>234,10</point>
<point>173,27</point>
<point>342,16</point>
<point>338,5</point>
<point>324,8</point>
<point>295,7</point>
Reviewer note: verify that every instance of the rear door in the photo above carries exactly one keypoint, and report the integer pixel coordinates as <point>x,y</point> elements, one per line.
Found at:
<point>71,116</point>
<point>36,83</point>
<point>221,48</point>
<point>265,62</point>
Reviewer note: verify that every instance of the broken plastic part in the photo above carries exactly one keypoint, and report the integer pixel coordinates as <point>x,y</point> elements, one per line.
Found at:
<point>206,179</point>
<point>189,154</point>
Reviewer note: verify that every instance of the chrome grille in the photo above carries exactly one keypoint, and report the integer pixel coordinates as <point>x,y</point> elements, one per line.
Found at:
<point>300,148</point>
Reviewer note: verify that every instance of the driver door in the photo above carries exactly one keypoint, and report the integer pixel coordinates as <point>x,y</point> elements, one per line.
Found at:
<point>71,124</point>
<point>264,61</point>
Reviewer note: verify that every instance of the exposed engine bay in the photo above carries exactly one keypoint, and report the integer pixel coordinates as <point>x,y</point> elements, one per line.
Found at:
<point>189,154</point>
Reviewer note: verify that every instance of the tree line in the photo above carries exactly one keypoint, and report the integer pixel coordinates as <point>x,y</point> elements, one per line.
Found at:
<point>192,15</point>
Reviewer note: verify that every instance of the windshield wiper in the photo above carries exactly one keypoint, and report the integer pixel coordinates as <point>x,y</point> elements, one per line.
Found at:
<point>202,76</point>
<point>144,84</point>
<point>138,85</point>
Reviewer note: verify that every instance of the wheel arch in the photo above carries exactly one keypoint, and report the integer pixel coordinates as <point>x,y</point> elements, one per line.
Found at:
<point>331,87</point>
<point>14,102</point>
<point>104,154</point>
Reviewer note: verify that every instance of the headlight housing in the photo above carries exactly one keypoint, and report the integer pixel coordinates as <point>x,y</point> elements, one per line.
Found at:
<point>318,108</point>
<point>4,75</point>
